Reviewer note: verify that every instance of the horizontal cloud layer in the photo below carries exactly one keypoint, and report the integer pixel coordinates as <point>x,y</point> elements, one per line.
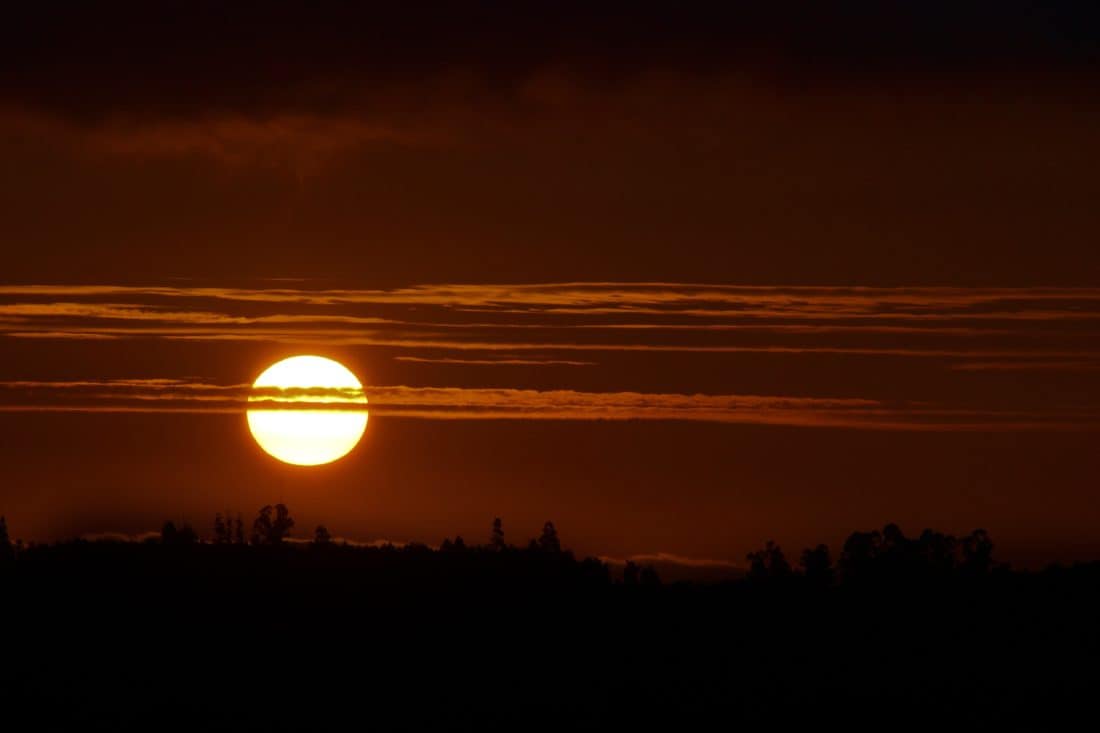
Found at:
<point>575,348</point>
<point>448,403</point>
<point>1015,327</point>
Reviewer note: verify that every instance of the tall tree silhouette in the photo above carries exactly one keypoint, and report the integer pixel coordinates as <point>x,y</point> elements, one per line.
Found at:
<point>897,555</point>
<point>496,539</point>
<point>261,525</point>
<point>548,540</point>
<point>977,552</point>
<point>7,552</point>
<point>272,531</point>
<point>280,529</point>
<point>221,531</point>
<point>238,530</point>
<point>321,535</point>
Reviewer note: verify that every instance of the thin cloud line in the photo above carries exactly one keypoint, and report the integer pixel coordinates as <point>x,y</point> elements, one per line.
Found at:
<point>344,337</point>
<point>495,362</point>
<point>1033,325</point>
<point>28,313</point>
<point>793,420</point>
<point>454,403</point>
<point>581,293</point>
<point>1037,365</point>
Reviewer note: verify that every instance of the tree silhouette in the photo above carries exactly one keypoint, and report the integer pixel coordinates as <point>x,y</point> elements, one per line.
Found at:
<point>321,535</point>
<point>817,565</point>
<point>890,557</point>
<point>858,556</point>
<point>271,531</point>
<point>977,552</point>
<point>7,552</point>
<point>455,545</point>
<point>769,562</point>
<point>238,530</point>
<point>221,531</point>
<point>280,528</point>
<point>184,535</point>
<point>630,573</point>
<point>548,540</point>
<point>936,553</point>
<point>261,525</point>
<point>496,539</point>
<point>896,556</point>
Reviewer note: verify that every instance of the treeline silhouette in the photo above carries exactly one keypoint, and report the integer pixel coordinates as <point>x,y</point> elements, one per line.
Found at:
<point>879,558</point>
<point>886,557</point>
<point>258,625</point>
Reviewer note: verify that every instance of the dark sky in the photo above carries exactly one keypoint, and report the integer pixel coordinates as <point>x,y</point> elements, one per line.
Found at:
<point>681,282</point>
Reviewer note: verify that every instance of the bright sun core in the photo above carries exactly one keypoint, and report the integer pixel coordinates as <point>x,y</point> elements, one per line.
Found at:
<point>305,410</point>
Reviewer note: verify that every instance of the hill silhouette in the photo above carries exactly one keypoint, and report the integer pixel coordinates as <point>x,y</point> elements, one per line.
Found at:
<point>254,629</point>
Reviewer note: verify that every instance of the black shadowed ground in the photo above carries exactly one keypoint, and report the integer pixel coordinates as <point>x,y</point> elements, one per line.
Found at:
<point>272,635</point>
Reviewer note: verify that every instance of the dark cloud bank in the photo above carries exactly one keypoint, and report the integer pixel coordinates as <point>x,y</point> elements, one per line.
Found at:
<point>187,59</point>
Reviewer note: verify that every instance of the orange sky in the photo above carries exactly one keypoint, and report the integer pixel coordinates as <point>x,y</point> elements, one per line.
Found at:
<point>680,285</point>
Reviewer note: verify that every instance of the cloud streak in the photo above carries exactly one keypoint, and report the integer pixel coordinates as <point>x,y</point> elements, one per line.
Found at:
<point>495,362</point>
<point>973,340</point>
<point>458,403</point>
<point>979,325</point>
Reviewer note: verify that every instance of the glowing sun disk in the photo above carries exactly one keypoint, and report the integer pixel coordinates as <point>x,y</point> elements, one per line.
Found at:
<point>312,433</point>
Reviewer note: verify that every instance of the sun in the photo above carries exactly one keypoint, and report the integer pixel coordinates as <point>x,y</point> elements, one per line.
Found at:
<point>307,410</point>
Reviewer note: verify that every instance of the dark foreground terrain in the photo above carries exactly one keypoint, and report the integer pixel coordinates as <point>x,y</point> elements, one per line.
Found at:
<point>203,636</point>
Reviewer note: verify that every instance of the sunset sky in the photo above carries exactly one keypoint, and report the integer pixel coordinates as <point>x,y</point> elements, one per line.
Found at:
<point>680,284</point>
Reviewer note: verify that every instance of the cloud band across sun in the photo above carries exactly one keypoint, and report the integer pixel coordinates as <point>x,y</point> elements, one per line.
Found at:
<point>458,403</point>
<point>900,358</point>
